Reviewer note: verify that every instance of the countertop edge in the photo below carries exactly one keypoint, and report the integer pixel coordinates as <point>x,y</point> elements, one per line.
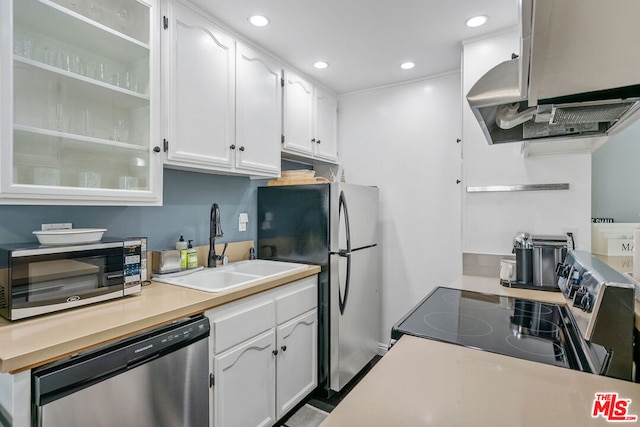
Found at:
<point>129,324</point>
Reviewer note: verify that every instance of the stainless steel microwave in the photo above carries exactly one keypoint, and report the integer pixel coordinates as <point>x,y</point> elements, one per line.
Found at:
<point>36,280</point>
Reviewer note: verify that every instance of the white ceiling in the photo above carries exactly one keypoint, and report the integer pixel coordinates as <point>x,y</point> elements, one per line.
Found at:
<point>364,41</point>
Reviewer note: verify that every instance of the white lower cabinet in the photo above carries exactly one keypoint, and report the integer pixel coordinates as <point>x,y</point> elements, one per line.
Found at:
<point>264,354</point>
<point>244,393</point>
<point>297,361</point>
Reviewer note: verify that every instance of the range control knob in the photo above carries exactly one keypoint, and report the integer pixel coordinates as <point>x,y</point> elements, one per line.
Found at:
<point>562,270</point>
<point>575,277</point>
<point>573,289</point>
<point>583,300</point>
<point>586,302</point>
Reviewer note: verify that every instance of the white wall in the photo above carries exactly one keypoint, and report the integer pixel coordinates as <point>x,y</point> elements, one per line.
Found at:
<point>403,140</point>
<point>615,190</point>
<point>490,220</point>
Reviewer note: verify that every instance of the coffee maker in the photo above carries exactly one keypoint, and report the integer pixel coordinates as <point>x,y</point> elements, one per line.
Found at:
<point>537,258</point>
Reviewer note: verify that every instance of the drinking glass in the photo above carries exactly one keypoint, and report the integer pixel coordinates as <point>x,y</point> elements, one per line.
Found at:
<point>120,130</point>
<point>23,45</point>
<point>124,17</point>
<point>88,127</point>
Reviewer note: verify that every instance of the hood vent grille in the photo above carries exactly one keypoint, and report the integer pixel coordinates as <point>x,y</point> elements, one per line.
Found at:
<point>531,130</point>
<point>590,113</point>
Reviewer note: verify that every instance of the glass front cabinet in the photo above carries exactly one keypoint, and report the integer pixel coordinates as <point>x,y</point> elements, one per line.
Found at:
<point>79,86</point>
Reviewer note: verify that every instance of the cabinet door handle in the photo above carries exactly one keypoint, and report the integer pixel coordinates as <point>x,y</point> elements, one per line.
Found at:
<point>313,140</point>
<point>283,348</point>
<point>318,142</point>
<point>157,149</point>
<point>241,148</point>
<point>274,352</point>
<point>232,146</point>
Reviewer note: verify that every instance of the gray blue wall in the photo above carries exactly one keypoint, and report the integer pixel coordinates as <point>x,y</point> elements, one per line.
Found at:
<point>615,184</point>
<point>187,202</point>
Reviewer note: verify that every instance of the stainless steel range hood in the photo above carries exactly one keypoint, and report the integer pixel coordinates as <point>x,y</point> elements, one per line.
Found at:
<point>578,74</point>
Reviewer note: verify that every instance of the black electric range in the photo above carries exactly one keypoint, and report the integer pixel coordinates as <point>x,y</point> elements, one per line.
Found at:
<point>531,330</point>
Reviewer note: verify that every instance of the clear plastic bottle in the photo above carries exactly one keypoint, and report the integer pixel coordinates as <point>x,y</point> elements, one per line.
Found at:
<point>182,246</point>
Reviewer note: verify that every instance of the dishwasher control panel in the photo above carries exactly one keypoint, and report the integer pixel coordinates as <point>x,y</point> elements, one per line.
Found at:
<point>164,340</point>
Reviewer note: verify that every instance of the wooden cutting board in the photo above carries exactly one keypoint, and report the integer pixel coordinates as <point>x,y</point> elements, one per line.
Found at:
<point>298,181</point>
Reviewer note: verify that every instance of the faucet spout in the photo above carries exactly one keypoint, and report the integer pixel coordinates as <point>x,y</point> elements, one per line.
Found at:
<point>215,231</point>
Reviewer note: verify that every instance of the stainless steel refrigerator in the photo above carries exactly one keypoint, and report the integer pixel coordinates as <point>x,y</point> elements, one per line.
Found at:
<point>335,226</point>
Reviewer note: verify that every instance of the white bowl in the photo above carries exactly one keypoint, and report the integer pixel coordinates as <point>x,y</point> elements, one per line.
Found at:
<point>69,236</point>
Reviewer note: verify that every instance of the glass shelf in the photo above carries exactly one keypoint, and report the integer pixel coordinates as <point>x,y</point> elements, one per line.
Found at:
<point>93,88</point>
<point>50,158</point>
<point>64,24</point>
<point>80,139</point>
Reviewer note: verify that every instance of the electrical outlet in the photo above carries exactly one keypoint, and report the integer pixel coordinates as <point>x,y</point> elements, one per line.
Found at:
<point>57,226</point>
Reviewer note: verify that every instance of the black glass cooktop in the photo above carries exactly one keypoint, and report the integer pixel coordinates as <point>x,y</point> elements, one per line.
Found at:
<point>520,328</point>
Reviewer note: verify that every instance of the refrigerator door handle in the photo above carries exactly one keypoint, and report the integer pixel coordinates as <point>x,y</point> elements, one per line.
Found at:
<point>342,206</point>
<point>342,302</point>
<point>343,212</point>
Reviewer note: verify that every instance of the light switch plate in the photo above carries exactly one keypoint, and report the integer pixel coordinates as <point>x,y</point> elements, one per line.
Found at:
<point>243,218</point>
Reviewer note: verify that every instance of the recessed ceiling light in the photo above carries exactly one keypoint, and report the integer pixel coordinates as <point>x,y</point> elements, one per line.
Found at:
<point>407,65</point>
<point>476,21</point>
<point>259,20</point>
<point>321,65</point>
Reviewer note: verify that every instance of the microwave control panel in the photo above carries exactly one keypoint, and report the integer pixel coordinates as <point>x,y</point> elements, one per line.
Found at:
<point>132,263</point>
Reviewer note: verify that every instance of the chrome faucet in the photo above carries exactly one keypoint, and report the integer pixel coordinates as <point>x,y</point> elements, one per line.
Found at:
<point>215,231</point>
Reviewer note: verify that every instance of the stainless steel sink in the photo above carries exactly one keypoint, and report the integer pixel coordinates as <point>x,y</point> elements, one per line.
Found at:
<point>227,277</point>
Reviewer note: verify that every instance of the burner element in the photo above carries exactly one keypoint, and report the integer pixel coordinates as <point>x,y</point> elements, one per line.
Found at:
<point>532,307</point>
<point>542,349</point>
<point>458,324</point>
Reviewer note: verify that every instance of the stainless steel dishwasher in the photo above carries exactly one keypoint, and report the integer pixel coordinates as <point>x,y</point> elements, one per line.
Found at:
<point>157,378</point>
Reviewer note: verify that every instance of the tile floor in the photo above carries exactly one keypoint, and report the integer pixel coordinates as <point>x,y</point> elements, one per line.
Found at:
<point>306,416</point>
<point>318,406</point>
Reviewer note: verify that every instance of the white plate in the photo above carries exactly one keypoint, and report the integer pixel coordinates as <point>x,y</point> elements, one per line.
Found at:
<point>69,236</point>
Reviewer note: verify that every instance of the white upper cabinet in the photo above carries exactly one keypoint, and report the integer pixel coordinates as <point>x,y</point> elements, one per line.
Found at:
<point>199,83</point>
<point>298,115</point>
<point>222,100</point>
<point>310,121</point>
<point>326,126</point>
<point>258,112</point>
<point>79,86</point>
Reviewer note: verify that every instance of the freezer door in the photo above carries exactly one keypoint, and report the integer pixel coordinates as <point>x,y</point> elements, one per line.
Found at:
<point>293,223</point>
<point>354,314</point>
<point>360,203</point>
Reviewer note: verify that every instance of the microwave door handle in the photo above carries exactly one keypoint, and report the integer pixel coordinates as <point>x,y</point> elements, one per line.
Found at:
<point>37,290</point>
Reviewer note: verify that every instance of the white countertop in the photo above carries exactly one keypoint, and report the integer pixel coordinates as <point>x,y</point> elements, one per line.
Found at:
<point>422,382</point>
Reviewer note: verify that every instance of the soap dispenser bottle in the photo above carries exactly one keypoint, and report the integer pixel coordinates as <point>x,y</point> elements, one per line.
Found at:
<point>192,256</point>
<point>182,246</point>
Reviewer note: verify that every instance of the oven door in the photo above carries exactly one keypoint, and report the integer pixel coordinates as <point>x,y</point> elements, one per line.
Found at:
<point>46,280</point>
